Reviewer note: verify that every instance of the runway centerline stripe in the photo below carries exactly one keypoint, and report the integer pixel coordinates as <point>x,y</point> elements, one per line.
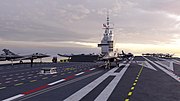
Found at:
<point>134,84</point>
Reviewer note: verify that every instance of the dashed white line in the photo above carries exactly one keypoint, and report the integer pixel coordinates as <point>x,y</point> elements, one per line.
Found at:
<point>79,73</point>
<point>14,97</point>
<point>92,68</point>
<point>7,81</point>
<point>29,77</point>
<point>50,84</point>
<point>11,75</point>
<point>8,78</point>
<point>20,76</point>
<point>30,74</point>
<point>23,79</point>
<point>15,80</point>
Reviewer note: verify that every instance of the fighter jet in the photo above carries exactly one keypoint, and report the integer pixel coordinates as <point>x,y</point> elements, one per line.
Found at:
<point>125,56</point>
<point>110,59</point>
<point>10,56</point>
<point>113,58</point>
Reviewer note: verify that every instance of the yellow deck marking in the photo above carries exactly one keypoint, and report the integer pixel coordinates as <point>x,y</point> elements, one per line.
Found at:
<point>130,93</point>
<point>132,88</point>
<point>19,84</point>
<point>33,80</point>
<point>126,99</point>
<point>135,82</point>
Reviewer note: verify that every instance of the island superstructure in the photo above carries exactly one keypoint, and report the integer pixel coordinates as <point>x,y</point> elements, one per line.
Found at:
<point>107,40</point>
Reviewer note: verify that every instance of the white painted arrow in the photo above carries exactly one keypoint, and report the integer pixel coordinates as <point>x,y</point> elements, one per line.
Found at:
<point>169,67</point>
<point>146,64</point>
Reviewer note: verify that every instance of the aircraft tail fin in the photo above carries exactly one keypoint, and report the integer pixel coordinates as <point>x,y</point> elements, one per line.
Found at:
<point>8,52</point>
<point>123,52</point>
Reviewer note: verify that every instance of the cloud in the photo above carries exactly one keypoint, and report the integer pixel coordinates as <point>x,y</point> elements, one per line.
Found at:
<point>80,21</point>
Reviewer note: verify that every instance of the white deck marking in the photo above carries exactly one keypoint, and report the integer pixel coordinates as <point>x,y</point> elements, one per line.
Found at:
<point>79,73</point>
<point>150,66</point>
<point>85,90</point>
<point>30,74</point>
<point>14,97</point>
<point>20,76</point>
<point>104,95</point>
<point>164,70</point>
<point>176,61</point>
<point>146,64</point>
<point>50,84</point>
<point>8,78</point>
<point>92,68</point>
<point>7,81</point>
<point>23,79</point>
<point>170,67</point>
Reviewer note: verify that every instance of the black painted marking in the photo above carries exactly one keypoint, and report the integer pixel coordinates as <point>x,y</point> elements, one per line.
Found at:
<point>92,95</point>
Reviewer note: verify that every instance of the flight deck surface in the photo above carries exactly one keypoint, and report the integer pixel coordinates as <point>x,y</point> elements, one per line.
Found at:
<point>140,79</point>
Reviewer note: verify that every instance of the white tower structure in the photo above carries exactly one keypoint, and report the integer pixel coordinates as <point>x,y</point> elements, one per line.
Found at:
<point>107,41</point>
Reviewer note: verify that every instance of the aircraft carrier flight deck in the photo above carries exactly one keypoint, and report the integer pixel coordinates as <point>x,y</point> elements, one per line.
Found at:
<point>143,78</point>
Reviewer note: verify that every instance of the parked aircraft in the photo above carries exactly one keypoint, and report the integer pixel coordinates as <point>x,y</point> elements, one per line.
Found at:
<point>10,56</point>
<point>125,56</point>
<point>160,55</point>
<point>113,58</point>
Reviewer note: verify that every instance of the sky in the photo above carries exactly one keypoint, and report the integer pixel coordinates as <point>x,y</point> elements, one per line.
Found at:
<point>75,26</point>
